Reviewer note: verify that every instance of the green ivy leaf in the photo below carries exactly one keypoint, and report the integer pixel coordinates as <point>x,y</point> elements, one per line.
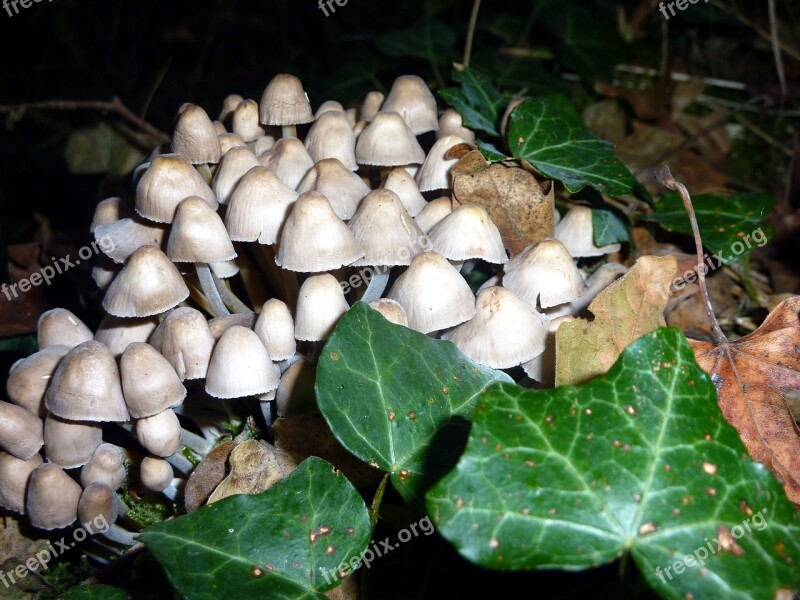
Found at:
<point>279,544</point>
<point>727,222</point>
<point>637,461</point>
<point>477,100</point>
<point>491,153</point>
<point>397,399</point>
<point>95,592</point>
<point>429,40</point>
<point>608,228</point>
<point>101,149</point>
<point>547,132</point>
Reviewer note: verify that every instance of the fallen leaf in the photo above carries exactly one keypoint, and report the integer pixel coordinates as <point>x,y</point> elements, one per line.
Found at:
<point>255,467</point>
<point>19,311</point>
<point>623,312</point>
<point>752,376</point>
<point>207,476</point>
<point>514,199</point>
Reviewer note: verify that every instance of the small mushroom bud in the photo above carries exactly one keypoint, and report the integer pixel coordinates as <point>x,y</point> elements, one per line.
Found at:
<point>160,434</point>
<point>107,465</point>
<point>53,497</point>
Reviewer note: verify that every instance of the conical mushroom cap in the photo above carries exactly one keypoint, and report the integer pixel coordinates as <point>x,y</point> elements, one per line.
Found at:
<point>14,477</point>
<point>275,329</point>
<point>284,102</point>
<point>195,138</point>
<point>371,105</point>
<point>184,339</point>
<point>168,180</point>
<point>451,123</point>
<point>70,444</point>
<point>149,383</point>
<point>468,233</point>
<point>98,503</point>
<point>233,166</point>
<point>86,386</point>
<point>343,188</point>
<point>20,431</point>
<point>116,333</point>
<point>412,98</point>
<point>240,366</point>
<point>53,497</point>
<point>388,142</point>
<point>155,473</point>
<point>385,231</point>
<point>332,137</point>
<point>434,174</point>
<point>391,310</point>
<point>320,305</point>
<point>505,331</point>
<point>258,207</point>
<point>289,159</point>
<point>576,232</point>
<point>160,434</point>
<point>434,211</point>
<point>434,295</point>
<point>402,183</point>
<point>148,285</point>
<point>60,327</point>
<point>198,234</point>
<point>29,377</point>
<point>312,218</point>
<point>107,465</point>
<point>544,275</point>
<point>229,104</point>
<point>120,239</point>
<point>244,121</point>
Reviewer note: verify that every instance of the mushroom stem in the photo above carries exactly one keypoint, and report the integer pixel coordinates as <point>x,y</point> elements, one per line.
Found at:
<point>289,131</point>
<point>173,491</point>
<point>267,407</point>
<point>228,297</point>
<point>377,284</point>
<point>285,364</point>
<point>181,463</point>
<point>210,290</point>
<point>118,535</point>
<point>195,443</point>
<point>205,171</point>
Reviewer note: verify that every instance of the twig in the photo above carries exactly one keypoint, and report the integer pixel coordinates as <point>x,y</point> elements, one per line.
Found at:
<point>776,47</point>
<point>473,21</point>
<point>114,106</point>
<point>764,34</point>
<point>760,133</point>
<point>666,179</point>
<point>120,564</point>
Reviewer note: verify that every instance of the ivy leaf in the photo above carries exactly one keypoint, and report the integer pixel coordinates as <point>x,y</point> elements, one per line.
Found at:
<point>608,228</point>
<point>548,133</point>
<point>477,101</point>
<point>101,149</point>
<point>95,592</point>
<point>637,461</point>
<point>429,40</point>
<point>490,152</point>
<point>285,543</point>
<point>397,399</point>
<point>731,225</point>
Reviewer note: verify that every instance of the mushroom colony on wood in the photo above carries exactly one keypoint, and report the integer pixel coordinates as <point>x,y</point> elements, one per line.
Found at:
<point>360,209</point>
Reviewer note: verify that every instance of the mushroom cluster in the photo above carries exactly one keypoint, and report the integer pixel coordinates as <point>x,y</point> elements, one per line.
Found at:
<point>242,207</point>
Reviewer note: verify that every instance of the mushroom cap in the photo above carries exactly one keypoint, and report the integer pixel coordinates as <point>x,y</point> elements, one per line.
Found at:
<point>343,188</point>
<point>60,327</point>
<point>233,166</point>
<point>219,325</point>
<point>402,183</point>
<point>468,233</point>
<point>107,465</point>
<point>434,174</point>
<point>451,123</point>
<point>371,105</point>
<point>149,284</point>
<point>434,211</point>
<point>258,207</point>
<point>284,102</point>
<point>116,333</point>
<point>52,498</point>
<point>244,121</point>
<point>198,234</point>
<point>320,305</point>
<point>149,383</point>
<point>263,144</point>
<point>391,310</point>
<point>29,377</point>
<point>104,271</point>
<point>411,97</point>
<point>168,180</point>
<point>107,211</point>
<point>542,368</point>
<point>14,477</point>
<point>312,218</point>
<point>240,366</point>
<point>98,502</point>
<point>70,444</point>
<point>544,275</point>
<point>289,159</point>
<point>122,238</point>
<point>224,269</point>
<point>155,473</point>
<point>229,104</point>
<point>433,294</point>
<point>20,431</point>
<point>275,329</point>
<point>160,434</point>
<point>385,231</point>
<point>228,141</point>
<point>86,386</point>
<point>388,142</point>
<point>195,138</point>
<point>576,232</point>
<point>505,331</point>
<point>184,339</point>
<point>331,136</point>
<point>328,106</point>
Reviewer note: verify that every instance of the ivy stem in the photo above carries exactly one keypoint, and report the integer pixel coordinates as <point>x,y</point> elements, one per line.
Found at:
<point>376,501</point>
<point>665,178</point>
<point>473,21</point>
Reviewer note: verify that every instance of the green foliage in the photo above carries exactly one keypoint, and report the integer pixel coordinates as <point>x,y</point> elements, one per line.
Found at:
<point>96,592</point>
<point>397,399</point>
<point>277,544</point>
<point>638,461</point>
<point>608,228</point>
<point>101,149</point>
<point>723,220</point>
<point>477,100</point>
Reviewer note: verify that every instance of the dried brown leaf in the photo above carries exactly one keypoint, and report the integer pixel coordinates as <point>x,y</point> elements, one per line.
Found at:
<point>255,467</point>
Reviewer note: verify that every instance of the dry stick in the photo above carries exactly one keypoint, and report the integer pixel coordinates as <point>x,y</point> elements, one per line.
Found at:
<point>666,179</point>
<point>473,21</point>
<point>764,34</point>
<point>776,47</point>
<point>115,106</point>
